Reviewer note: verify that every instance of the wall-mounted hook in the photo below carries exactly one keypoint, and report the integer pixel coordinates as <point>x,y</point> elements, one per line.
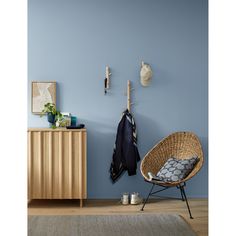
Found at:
<point>108,74</point>
<point>107,79</point>
<point>128,94</point>
<point>129,89</point>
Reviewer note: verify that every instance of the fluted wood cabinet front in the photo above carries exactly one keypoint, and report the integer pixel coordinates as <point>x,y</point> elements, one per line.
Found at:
<point>57,164</point>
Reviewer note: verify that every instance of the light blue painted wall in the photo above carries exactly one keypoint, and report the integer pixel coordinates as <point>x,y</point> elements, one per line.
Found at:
<point>71,41</point>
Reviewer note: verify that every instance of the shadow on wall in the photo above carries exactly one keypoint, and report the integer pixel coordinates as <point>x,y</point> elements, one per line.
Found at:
<point>101,139</point>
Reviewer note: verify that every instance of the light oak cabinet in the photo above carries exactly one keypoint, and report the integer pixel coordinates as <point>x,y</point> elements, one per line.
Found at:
<point>57,164</point>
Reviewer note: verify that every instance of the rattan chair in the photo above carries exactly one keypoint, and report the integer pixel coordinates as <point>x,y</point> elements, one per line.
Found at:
<point>180,145</point>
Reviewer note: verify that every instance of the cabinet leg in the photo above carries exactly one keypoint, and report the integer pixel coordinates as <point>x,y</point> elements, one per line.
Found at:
<point>81,202</point>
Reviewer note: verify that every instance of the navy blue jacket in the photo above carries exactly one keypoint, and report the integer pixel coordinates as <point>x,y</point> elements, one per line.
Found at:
<point>125,154</point>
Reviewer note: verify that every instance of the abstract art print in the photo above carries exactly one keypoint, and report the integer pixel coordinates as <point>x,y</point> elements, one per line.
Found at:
<point>42,93</point>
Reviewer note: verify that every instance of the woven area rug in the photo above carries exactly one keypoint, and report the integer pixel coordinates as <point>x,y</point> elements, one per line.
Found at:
<point>109,225</point>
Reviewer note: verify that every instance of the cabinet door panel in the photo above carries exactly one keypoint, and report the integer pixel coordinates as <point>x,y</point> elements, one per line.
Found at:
<point>57,165</point>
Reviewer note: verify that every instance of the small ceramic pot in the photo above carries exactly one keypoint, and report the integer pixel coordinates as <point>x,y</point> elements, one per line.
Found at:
<point>51,118</point>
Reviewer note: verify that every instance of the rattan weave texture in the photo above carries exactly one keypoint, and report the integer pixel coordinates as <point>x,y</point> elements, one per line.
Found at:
<point>181,145</point>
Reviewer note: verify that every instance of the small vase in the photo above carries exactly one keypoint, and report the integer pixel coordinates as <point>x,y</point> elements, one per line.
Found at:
<point>51,118</point>
<point>73,121</point>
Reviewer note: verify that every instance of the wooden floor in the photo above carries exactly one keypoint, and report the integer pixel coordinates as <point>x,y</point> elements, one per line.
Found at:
<point>199,209</point>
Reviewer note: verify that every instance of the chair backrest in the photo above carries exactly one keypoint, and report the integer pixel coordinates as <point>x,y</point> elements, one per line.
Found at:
<point>180,145</point>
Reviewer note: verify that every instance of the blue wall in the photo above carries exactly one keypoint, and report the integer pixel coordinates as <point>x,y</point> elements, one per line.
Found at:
<point>71,42</point>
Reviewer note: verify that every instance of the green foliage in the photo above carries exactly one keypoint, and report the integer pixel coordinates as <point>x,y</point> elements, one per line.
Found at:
<point>59,116</point>
<point>54,127</point>
<point>51,108</point>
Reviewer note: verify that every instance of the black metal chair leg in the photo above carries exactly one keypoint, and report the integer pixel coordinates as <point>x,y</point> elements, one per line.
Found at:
<point>181,194</point>
<point>180,189</point>
<point>147,198</point>
<point>186,200</point>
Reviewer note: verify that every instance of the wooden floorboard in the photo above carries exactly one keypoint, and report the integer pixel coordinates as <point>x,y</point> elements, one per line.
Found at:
<point>199,208</point>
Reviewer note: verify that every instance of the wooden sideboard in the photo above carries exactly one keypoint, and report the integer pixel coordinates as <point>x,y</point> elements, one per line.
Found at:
<point>57,164</point>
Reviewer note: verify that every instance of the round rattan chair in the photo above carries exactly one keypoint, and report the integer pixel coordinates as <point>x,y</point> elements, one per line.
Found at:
<point>181,145</point>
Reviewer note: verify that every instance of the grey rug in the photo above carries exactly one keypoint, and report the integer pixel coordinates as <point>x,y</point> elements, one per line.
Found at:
<point>109,225</point>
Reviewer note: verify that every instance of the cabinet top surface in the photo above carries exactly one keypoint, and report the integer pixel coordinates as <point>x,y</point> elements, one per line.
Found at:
<point>56,130</point>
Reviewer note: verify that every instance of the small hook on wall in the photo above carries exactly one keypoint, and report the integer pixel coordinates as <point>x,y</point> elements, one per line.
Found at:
<point>129,89</point>
<point>107,79</point>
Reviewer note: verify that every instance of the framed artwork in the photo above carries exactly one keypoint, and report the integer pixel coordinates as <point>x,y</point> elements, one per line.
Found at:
<point>42,93</point>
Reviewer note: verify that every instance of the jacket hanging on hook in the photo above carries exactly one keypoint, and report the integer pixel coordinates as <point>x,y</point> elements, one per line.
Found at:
<point>125,153</point>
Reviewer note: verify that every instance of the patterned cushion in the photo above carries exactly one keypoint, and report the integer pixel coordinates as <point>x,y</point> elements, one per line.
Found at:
<point>176,169</point>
